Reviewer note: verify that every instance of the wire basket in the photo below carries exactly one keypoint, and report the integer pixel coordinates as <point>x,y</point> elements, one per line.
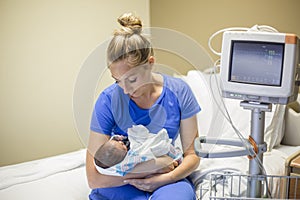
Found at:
<point>237,186</point>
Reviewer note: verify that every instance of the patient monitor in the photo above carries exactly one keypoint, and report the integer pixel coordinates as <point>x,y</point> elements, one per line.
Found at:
<point>261,69</point>
<point>260,66</point>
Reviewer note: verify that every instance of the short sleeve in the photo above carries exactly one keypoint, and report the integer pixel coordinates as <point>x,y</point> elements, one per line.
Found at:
<point>102,119</point>
<point>188,102</point>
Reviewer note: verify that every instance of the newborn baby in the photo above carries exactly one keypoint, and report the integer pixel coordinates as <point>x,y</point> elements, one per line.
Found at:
<point>120,154</point>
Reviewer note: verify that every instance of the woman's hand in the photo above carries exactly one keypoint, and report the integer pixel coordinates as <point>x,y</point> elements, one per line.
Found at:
<point>168,168</point>
<point>160,178</point>
<point>159,165</point>
<point>151,183</point>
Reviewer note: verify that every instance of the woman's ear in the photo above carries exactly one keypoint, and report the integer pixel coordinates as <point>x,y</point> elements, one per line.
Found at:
<point>151,60</point>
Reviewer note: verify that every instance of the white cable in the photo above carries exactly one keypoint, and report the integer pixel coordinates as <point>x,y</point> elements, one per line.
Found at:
<point>255,28</point>
<point>238,133</point>
<point>221,31</point>
<point>262,28</point>
<point>227,116</point>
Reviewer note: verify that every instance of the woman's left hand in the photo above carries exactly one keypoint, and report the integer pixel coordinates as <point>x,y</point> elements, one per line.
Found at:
<point>149,184</point>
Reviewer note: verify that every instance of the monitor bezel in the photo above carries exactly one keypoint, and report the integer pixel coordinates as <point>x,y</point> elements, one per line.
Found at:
<point>256,92</point>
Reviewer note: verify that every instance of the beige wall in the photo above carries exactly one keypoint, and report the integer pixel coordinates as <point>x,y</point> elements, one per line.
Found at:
<point>199,19</point>
<point>43,44</point>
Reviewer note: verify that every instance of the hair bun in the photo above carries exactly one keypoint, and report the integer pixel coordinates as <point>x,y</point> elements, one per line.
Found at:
<point>130,23</point>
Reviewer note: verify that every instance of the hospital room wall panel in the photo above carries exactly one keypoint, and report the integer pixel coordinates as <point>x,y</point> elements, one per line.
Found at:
<point>199,19</point>
<point>43,46</point>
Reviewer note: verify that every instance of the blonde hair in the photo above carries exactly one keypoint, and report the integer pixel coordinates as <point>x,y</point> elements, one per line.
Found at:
<point>129,43</point>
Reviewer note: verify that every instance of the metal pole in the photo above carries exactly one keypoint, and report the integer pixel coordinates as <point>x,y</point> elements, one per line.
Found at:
<point>257,133</point>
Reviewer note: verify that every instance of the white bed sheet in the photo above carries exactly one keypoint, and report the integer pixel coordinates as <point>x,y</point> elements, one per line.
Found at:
<point>57,177</point>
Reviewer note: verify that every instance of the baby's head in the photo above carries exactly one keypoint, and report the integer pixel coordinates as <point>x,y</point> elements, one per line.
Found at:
<point>111,153</point>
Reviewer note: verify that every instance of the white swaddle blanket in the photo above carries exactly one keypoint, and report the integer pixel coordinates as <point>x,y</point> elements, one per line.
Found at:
<point>148,144</point>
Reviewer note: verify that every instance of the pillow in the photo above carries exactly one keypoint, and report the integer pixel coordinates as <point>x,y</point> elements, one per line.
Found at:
<point>211,121</point>
<point>275,129</point>
<point>199,85</point>
<point>292,125</point>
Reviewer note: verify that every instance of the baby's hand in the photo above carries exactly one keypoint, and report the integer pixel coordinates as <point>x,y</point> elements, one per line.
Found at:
<point>118,137</point>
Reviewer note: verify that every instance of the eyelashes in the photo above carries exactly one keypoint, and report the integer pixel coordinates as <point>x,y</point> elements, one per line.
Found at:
<point>130,80</point>
<point>133,80</point>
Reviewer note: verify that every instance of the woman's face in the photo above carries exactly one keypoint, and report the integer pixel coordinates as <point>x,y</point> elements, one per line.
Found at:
<point>131,79</point>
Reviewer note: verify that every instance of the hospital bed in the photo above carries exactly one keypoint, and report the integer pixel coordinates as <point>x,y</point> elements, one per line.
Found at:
<point>63,176</point>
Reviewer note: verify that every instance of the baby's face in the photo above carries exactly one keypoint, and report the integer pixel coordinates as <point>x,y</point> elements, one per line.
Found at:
<point>120,147</point>
<point>123,139</point>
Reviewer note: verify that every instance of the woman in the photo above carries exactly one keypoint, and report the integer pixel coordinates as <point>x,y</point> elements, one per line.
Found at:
<point>153,100</point>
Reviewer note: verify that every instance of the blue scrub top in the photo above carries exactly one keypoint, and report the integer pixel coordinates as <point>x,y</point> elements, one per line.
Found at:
<point>115,112</point>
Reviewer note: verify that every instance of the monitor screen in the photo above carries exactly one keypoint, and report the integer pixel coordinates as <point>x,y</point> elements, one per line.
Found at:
<point>253,62</point>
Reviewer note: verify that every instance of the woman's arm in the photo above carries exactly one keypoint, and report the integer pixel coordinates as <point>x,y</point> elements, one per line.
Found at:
<point>95,179</point>
<point>188,134</point>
